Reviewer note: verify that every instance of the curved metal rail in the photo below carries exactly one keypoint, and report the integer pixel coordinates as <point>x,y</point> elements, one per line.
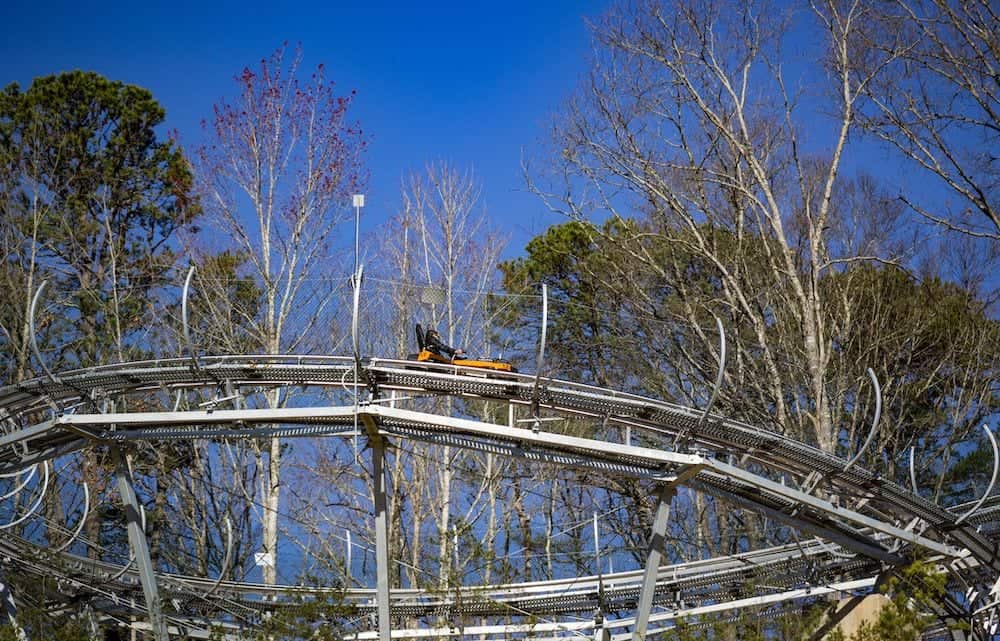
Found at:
<point>782,455</point>
<point>870,529</point>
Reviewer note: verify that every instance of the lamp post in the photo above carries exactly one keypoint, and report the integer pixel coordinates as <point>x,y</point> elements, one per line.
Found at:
<point>359,202</point>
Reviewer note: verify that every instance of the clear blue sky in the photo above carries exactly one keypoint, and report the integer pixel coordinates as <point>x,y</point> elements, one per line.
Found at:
<point>470,82</point>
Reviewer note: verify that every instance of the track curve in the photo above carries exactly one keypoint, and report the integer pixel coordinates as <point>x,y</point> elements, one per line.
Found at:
<point>799,485</point>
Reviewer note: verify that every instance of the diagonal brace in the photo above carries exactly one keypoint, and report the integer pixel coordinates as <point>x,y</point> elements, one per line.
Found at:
<point>655,552</point>
<point>140,547</point>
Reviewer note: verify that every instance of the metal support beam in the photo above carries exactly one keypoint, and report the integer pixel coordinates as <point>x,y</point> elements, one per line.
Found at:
<point>862,545</point>
<point>381,529</point>
<point>146,420</point>
<point>18,436</point>
<point>751,602</point>
<point>140,547</point>
<point>809,501</point>
<point>653,556</point>
<point>601,633</point>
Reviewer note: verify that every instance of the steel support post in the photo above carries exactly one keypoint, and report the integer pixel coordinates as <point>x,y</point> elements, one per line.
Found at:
<point>601,633</point>
<point>653,556</point>
<point>140,547</point>
<point>381,538</point>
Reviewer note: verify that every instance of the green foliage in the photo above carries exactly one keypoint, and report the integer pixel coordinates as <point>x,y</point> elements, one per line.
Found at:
<point>933,346</point>
<point>631,307</point>
<point>628,300</point>
<point>903,618</point>
<point>316,619</point>
<point>39,625</point>
<point>579,263</point>
<point>72,630</point>
<point>92,199</point>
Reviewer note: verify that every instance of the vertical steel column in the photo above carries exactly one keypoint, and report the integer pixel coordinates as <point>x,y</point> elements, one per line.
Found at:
<point>653,556</point>
<point>140,547</point>
<point>381,538</point>
<point>601,633</point>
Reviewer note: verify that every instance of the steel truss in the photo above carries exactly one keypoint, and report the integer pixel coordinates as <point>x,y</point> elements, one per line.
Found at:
<point>869,524</point>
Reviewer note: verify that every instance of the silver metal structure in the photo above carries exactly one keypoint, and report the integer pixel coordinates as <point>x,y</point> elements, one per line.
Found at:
<point>192,354</point>
<point>855,537</point>
<point>79,526</point>
<point>32,333</point>
<point>720,374</point>
<point>140,547</point>
<point>874,428</point>
<point>993,478</point>
<point>540,362</point>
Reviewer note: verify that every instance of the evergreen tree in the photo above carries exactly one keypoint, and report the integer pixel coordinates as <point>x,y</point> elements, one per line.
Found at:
<point>92,197</point>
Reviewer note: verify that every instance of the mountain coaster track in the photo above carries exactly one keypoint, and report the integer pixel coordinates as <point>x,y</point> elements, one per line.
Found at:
<point>881,523</point>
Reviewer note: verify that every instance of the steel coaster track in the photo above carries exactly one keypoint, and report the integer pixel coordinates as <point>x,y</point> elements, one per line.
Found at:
<point>44,418</point>
<point>717,437</point>
<point>717,477</point>
<point>680,586</point>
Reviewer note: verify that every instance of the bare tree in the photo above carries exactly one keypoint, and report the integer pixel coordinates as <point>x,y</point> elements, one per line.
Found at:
<point>690,139</point>
<point>455,254</point>
<point>442,255</point>
<point>435,265</point>
<point>274,178</point>
<point>20,245</point>
<point>689,117</point>
<point>939,104</point>
<point>92,200</point>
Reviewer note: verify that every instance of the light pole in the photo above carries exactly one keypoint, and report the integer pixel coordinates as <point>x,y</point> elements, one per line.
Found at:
<point>359,202</point>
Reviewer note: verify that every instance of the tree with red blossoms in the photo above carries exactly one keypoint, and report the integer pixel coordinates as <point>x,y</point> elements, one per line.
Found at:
<point>275,176</point>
